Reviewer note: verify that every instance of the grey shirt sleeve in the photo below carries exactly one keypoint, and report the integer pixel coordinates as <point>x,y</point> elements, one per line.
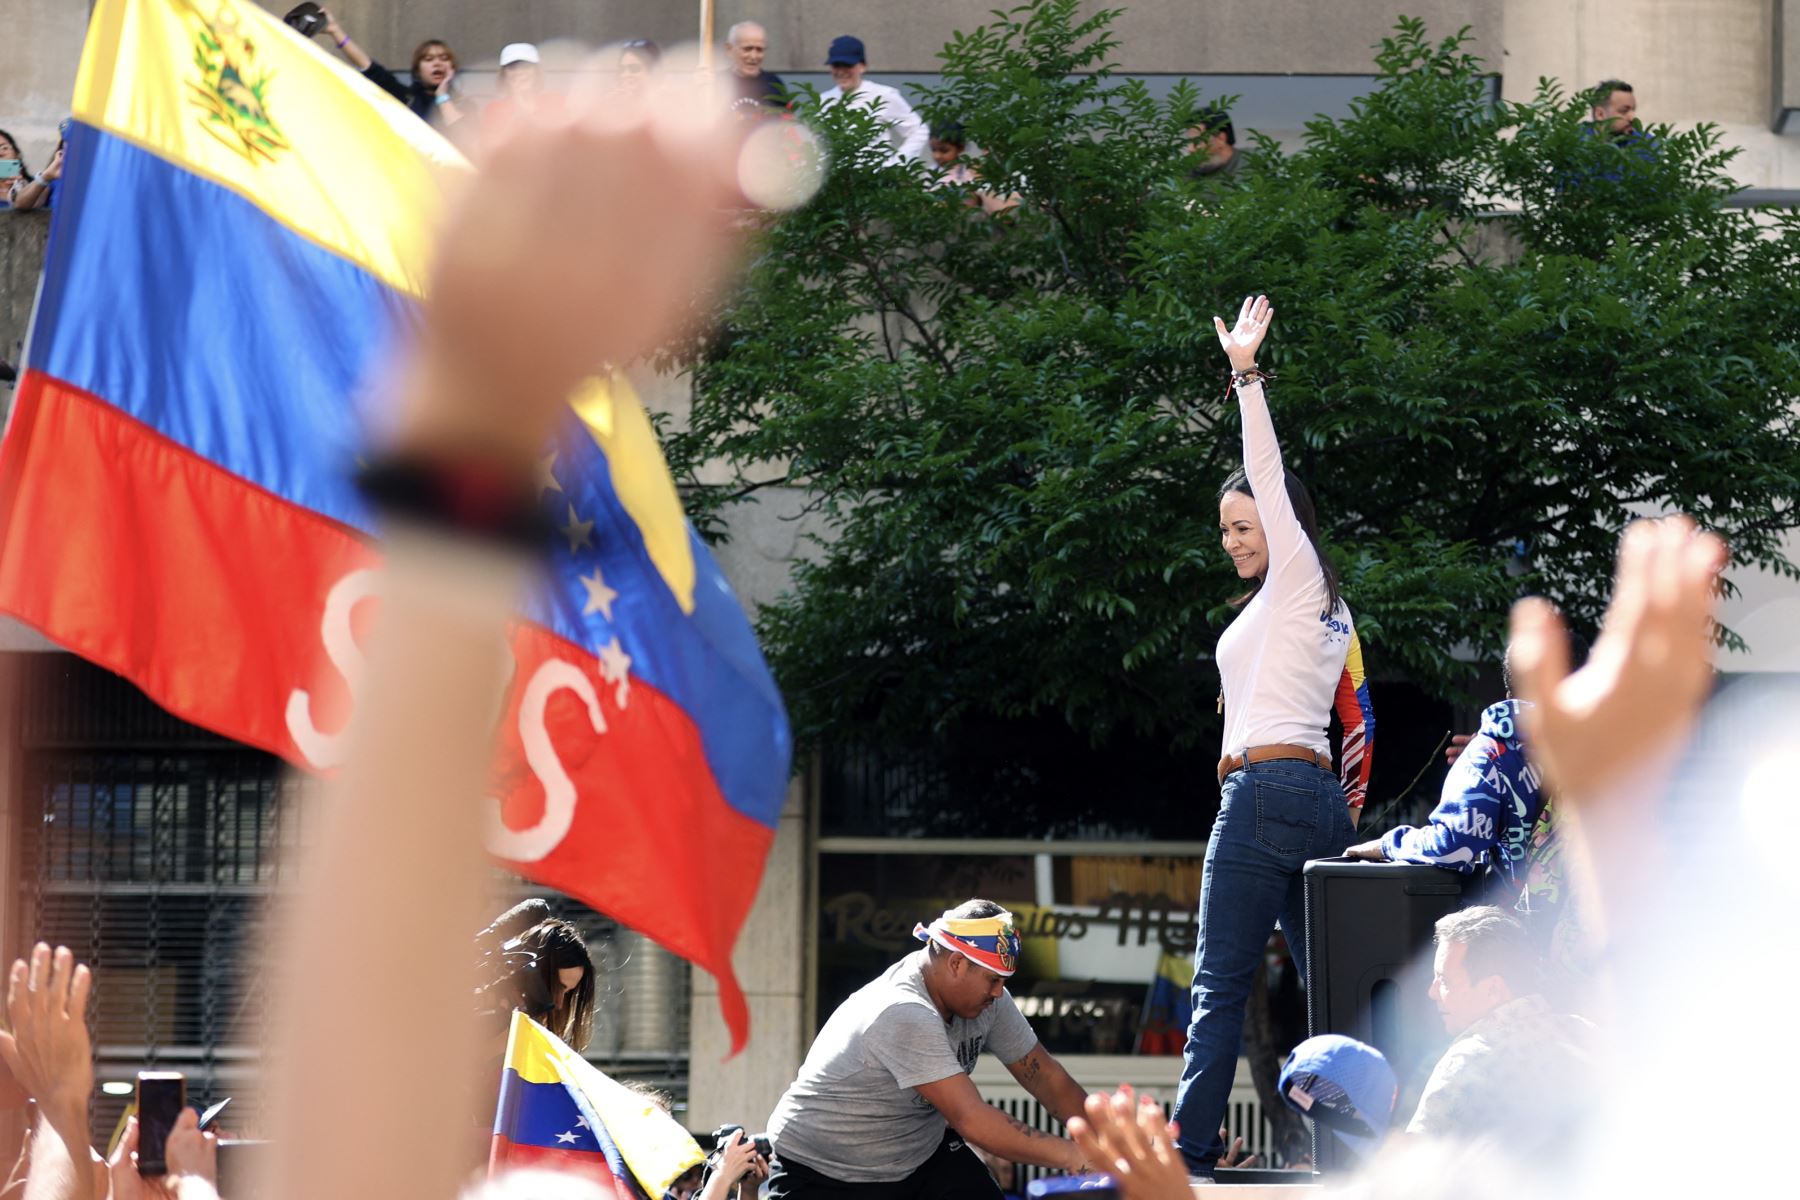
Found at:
<point>1011,1038</point>
<point>908,1042</point>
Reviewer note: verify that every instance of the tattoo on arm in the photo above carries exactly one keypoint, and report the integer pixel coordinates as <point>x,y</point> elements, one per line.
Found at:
<point>1031,1068</point>
<point>1028,1131</point>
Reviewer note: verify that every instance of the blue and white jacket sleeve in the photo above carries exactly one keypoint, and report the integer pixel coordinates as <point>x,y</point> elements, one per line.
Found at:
<point>1463,826</point>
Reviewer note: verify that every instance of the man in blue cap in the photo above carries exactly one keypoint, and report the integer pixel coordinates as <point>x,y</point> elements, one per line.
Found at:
<point>1345,1087</point>
<point>906,132</point>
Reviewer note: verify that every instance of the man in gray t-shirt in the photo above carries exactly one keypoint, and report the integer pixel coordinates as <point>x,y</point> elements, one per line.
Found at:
<point>884,1104</point>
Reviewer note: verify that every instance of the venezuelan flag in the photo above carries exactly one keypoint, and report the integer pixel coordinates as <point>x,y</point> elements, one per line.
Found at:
<point>559,1111</point>
<point>1168,1006</point>
<point>238,249</point>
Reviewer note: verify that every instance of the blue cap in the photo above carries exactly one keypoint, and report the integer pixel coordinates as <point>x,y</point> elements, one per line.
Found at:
<point>1345,1086</point>
<point>845,51</point>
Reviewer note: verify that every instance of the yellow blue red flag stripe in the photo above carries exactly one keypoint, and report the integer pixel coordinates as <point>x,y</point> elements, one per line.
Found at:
<point>557,1109</point>
<point>237,250</point>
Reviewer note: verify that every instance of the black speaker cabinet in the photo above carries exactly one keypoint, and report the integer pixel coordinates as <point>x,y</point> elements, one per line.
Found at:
<point>1368,965</point>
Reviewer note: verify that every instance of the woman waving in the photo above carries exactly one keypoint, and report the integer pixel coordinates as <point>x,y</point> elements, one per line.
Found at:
<point>1281,662</point>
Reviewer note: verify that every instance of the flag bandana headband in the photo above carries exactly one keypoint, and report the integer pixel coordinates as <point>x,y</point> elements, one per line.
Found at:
<point>990,942</point>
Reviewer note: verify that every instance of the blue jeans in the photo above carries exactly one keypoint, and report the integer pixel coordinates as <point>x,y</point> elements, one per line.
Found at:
<point>1273,818</point>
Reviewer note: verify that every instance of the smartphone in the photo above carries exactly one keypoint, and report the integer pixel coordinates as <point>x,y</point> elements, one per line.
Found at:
<point>306,19</point>
<point>161,1095</point>
<point>1066,1187</point>
<point>212,1114</point>
<point>11,168</point>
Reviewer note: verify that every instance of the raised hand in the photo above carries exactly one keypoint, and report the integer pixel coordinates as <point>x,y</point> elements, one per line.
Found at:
<point>48,1050</point>
<point>1234,1155</point>
<point>1126,1136</point>
<point>1243,340</point>
<point>1632,707</point>
<point>617,219</point>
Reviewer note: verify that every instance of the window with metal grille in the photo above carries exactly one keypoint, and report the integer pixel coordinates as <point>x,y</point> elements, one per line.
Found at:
<point>149,848</point>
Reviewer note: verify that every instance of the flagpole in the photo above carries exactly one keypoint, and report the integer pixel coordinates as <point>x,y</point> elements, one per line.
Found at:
<point>706,35</point>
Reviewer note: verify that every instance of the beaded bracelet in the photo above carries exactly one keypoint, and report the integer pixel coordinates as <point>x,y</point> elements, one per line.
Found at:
<point>1238,379</point>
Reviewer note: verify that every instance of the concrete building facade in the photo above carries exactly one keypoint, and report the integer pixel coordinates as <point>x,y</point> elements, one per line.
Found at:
<point>1732,62</point>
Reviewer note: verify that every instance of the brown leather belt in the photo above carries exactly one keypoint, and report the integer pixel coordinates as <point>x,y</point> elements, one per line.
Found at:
<point>1256,754</point>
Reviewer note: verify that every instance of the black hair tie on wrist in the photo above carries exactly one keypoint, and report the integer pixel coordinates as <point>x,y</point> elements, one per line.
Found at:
<point>468,497</point>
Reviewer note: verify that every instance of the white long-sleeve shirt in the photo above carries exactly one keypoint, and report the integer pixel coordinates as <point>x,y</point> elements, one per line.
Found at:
<point>906,131</point>
<point>1281,659</point>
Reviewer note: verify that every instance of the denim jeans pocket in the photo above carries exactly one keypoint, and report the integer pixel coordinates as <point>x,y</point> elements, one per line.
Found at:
<point>1286,816</point>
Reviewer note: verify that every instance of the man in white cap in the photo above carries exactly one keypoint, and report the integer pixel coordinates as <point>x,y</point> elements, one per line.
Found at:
<point>884,1105</point>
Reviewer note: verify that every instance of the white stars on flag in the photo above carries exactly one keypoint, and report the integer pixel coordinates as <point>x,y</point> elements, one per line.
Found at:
<point>566,1137</point>
<point>546,479</point>
<point>615,668</point>
<point>599,597</point>
<point>579,532</point>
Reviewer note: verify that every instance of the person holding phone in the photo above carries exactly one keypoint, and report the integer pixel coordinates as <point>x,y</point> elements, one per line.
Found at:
<point>13,170</point>
<point>430,95</point>
<point>49,1051</point>
<point>1281,663</point>
<point>188,1162</point>
<point>40,190</point>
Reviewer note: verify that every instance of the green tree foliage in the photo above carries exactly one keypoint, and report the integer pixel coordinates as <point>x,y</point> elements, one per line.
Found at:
<point>1015,426</point>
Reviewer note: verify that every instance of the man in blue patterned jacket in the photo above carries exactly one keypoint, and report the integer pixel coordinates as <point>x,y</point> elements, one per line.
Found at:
<point>1486,813</point>
<point>1494,817</point>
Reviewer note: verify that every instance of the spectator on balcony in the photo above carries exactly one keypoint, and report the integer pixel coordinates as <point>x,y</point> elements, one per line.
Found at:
<point>949,151</point>
<point>39,191</point>
<point>905,131</point>
<point>430,95</point>
<point>1215,138</point>
<point>637,59</point>
<point>14,159</point>
<point>755,91</point>
<point>522,93</point>
<point>1516,1069</point>
<point>1614,112</point>
<point>1613,120</point>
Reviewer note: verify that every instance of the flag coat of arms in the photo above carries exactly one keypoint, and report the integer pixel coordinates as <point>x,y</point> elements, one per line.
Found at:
<point>239,247</point>
<point>560,1112</point>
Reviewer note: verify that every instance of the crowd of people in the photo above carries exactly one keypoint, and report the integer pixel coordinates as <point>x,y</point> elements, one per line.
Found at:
<point>431,92</point>
<point>883,1107</point>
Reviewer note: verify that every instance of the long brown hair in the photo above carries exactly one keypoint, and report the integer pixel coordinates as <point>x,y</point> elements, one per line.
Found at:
<point>558,945</point>
<point>24,171</point>
<point>1301,502</point>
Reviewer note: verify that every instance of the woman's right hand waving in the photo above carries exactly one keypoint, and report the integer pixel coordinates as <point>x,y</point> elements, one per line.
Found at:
<point>1242,342</point>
